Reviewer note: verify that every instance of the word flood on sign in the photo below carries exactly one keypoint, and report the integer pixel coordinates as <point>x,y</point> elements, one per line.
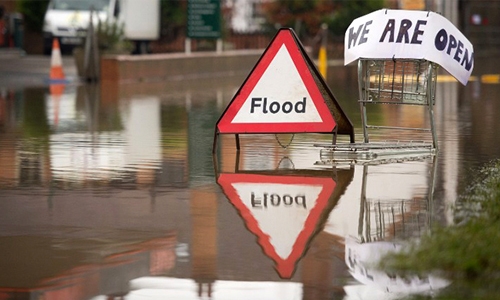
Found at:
<point>275,106</point>
<point>276,200</point>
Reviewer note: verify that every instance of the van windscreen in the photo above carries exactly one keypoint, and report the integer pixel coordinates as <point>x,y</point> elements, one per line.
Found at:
<point>97,5</point>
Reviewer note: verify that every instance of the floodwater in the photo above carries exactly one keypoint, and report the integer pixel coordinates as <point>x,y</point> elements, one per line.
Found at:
<point>112,191</point>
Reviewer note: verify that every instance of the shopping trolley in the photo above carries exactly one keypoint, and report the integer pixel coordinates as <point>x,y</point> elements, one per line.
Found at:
<point>391,82</point>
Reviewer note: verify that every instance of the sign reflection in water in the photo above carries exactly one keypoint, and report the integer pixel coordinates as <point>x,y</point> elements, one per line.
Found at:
<point>285,209</point>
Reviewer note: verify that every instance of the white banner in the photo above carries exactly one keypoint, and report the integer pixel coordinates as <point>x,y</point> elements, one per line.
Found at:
<point>387,34</point>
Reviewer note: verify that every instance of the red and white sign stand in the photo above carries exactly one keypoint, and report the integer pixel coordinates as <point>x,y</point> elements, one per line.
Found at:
<point>284,93</point>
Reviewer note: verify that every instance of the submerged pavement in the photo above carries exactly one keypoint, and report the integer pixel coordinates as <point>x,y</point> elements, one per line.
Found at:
<point>18,69</point>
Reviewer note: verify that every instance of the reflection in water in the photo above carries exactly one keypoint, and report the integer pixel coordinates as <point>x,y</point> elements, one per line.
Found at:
<point>130,145</point>
<point>177,288</point>
<point>393,213</point>
<point>300,200</point>
<point>395,206</point>
<point>377,284</point>
<point>77,265</point>
<point>447,125</point>
<point>384,200</point>
<point>100,174</point>
<point>106,186</point>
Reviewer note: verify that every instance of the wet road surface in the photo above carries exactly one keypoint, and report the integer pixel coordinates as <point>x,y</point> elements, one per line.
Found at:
<point>111,190</point>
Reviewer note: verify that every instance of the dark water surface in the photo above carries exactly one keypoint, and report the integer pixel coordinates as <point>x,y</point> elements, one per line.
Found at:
<point>112,191</point>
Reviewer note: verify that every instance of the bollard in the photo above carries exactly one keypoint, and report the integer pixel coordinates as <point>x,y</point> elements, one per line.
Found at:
<point>322,57</point>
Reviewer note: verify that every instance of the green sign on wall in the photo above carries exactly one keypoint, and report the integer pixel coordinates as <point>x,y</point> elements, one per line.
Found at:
<point>203,19</point>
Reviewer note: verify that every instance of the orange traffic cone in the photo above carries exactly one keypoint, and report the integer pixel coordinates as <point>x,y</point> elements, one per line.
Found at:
<point>56,70</point>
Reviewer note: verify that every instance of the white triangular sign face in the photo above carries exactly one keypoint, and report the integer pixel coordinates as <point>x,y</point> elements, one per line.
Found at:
<point>280,96</point>
<point>291,203</point>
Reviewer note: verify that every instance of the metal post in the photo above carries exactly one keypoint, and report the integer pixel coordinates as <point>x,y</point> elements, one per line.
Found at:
<point>237,137</point>
<point>187,46</point>
<point>361,84</point>
<point>431,94</point>
<point>91,63</point>
<point>364,210</point>
<point>219,46</point>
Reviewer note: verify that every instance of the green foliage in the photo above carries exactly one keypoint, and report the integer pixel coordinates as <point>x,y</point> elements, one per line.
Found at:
<point>458,252</point>
<point>306,17</point>
<point>482,198</point>
<point>111,38</point>
<point>173,17</point>
<point>467,251</point>
<point>33,12</point>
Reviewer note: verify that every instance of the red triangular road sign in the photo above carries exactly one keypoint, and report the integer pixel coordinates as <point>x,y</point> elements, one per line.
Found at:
<point>282,211</point>
<point>281,94</point>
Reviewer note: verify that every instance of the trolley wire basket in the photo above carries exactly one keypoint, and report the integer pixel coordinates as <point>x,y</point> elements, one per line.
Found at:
<point>400,82</point>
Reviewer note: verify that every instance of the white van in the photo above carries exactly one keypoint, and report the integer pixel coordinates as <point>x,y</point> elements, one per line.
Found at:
<point>68,20</point>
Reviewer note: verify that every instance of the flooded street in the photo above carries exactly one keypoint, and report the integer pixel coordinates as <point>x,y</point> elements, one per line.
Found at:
<point>112,191</point>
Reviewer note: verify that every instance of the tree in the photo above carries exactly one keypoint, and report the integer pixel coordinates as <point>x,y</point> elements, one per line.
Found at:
<point>33,13</point>
<point>306,17</point>
<point>348,10</point>
<point>173,17</point>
